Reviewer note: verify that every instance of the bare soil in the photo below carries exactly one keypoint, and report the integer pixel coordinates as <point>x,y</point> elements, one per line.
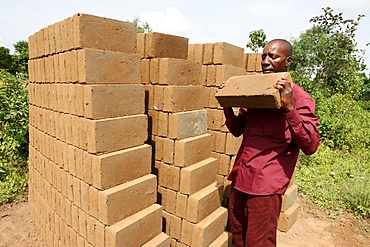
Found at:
<point>313,228</point>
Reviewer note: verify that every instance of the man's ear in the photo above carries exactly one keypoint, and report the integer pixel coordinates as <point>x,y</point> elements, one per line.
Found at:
<point>289,61</point>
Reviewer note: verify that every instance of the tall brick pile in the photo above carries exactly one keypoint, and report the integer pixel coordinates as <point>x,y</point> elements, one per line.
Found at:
<point>90,169</point>
<point>127,143</point>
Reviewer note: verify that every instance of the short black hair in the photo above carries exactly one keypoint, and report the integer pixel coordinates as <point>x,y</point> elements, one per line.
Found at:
<point>287,44</point>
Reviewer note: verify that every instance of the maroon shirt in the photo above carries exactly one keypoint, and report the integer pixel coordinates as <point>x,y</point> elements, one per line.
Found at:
<point>271,142</point>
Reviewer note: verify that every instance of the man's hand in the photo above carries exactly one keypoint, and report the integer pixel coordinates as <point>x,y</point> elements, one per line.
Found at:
<point>286,94</point>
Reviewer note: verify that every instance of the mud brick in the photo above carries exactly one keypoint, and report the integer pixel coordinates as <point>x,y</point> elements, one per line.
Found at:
<point>62,91</point>
<point>87,168</point>
<point>45,41</point>
<point>107,136</point>
<point>142,226</point>
<point>179,72</point>
<point>115,168</point>
<point>154,70</point>
<point>99,234</point>
<point>192,150</point>
<point>76,192</point>
<point>83,127</point>
<point>103,33</point>
<point>162,196</point>
<point>93,202</point>
<point>224,72</point>
<point>97,66</point>
<point>259,62</point>
<point>245,61</point>
<point>145,71</point>
<point>208,53</point>
<point>71,157</point>
<point>191,52</point>
<point>254,91</point>
<point>161,240</point>
<point>62,67</point>
<point>49,66</point>
<point>68,208</point>
<point>75,129</point>
<point>171,201</point>
<point>187,229</point>
<point>199,53</point>
<point>158,97</point>
<point>232,144</point>
<point>227,187</point>
<point>70,64</point>
<point>208,230</point>
<point>198,176</point>
<point>204,202</point>
<point>84,196</point>
<point>187,124</point>
<point>80,159</point>
<point>82,229</point>
<point>63,34</point>
<point>90,229</point>
<point>211,75</point>
<point>168,150</point>
<point>126,199</point>
<point>57,76</point>
<point>288,218</point>
<point>158,145</point>
<point>219,139</point>
<point>140,48</point>
<point>176,98</point>
<point>172,225</point>
<point>163,171</point>
<point>149,97</point>
<point>224,240</point>
<point>181,205</point>
<point>153,122</point>
<point>58,38</point>
<point>108,101</point>
<point>173,178</point>
<point>79,90</point>
<point>252,62</point>
<point>203,75</point>
<point>70,187</point>
<point>289,197</point>
<point>159,45</point>
<point>162,124</point>
<point>71,98</point>
<point>31,45</point>
<point>212,101</point>
<point>225,53</point>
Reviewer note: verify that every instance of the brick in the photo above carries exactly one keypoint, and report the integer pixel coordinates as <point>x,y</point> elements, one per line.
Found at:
<point>99,234</point>
<point>288,218</point>
<point>224,72</point>
<point>232,144</point>
<point>159,45</point>
<point>204,202</point>
<point>171,201</point>
<point>225,53</point>
<point>187,229</point>
<point>254,91</point>
<point>93,202</point>
<point>82,229</point>
<point>224,240</point>
<point>154,70</point>
<point>289,197</point>
<point>168,150</point>
<point>251,62</point>
<point>224,164</point>
<point>181,205</point>
<point>115,168</point>
<point>142,226</point>
<point>203,75</point>
<point>161,240</point>
<point>162,124</point>
<point>172,225</point>
<point>208,230</point>
<point>187,124</point>
<point>212,101</point>
<point>149,97</point>
<point>199,52</point>
<point>97,66</point>
<point>176,98</point>
<point>198,176</point>
<point>259,62</point>
<point>152,122</point>
<point>208,53</point>
<point>107,136</point>
<point>76,192</point>
<point>90,229</point>
<point>191,52</point>
<point>192,150</point>
<point>126,199</point>
<point>211,75</point>
<point>145,71</point>
<point>84,196</point>
<point>179,72</point>
<point>108,101</point>
<point>140,47</point>
<point>103,33</point>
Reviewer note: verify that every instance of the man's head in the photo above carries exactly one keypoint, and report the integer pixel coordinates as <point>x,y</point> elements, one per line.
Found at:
<point>276,56</point>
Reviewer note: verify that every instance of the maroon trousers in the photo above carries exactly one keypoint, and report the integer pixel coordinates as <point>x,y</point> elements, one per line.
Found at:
<point>254,219</point>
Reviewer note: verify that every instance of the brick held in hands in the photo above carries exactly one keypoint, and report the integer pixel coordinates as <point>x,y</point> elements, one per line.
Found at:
<point>253,91</point>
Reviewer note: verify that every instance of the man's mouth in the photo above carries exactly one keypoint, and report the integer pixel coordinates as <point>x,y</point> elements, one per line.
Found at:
<point>268,70</point>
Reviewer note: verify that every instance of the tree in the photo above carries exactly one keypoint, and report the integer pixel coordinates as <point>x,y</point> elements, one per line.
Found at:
<point>326,56</point>
<point>257,40</point>
<point>20,57</point>
<point>5,58</point>
<point>142,27</point>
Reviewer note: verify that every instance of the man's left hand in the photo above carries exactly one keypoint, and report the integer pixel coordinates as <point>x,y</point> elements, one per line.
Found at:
<point>286,93</point>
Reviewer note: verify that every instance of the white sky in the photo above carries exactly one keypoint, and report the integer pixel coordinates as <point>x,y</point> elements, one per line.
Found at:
<point>202,21</point>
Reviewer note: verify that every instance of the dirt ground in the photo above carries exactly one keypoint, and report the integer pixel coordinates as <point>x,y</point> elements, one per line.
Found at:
<point>313,228</point>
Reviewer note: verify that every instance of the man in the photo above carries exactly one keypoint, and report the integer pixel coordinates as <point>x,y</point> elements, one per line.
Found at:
<point>268,153</point>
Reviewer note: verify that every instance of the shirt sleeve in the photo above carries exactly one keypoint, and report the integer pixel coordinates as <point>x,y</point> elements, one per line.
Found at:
<point>236,124</point>
<point>303,124</point>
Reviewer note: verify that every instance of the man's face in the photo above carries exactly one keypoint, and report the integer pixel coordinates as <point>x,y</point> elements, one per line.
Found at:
<point>274,58</point>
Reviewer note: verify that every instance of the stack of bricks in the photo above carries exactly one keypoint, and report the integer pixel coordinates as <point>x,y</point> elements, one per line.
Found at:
<point>187,187</point>
<point>90,181</point>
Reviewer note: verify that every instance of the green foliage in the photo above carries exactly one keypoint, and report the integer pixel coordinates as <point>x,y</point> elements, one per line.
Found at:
<point>16,63</point>
<point>142,27</point>
<point>13,136</point>
<point>257,40</point>
<point>5,58</point>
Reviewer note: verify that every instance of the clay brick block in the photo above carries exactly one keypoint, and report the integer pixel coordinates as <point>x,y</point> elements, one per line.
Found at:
<point>127,199</point>
<point>96,66</point>
<point>159,45</point>
<point>225,53</point>
<point>107,136</point>
<point>289,197</point>
<point>181,205</point>
<point>254,91</point>
<point>108,101</point>
<point>288,218</point>
<point>192,150</point>
<point>219,140</point>
<point>137,229</point>
<point>204,202</point>
<point>102,33</point>
<point>140,48</point>
<point>211,75</point>
<point>232,144</point>
<point>176,98</point>
<point>259,62</point>
<point>145,71</point>
<point>149,97</point>
<point>224,72</point>
<point>197,176</point>
<point>179,72</point>
<point>224,240</point>
<point>208,53</point>
<point>252,62</point>
<point>162,124</point>
<point>168,150</point>
<point>161,240</point>
<point>154,70</point>
<point>209,229</point>
<point>199,53</point>
<point>203,75</point>
<point>187,124</point>
<point>191,52</point>
<point>115,168</point>
<point>172,225</point>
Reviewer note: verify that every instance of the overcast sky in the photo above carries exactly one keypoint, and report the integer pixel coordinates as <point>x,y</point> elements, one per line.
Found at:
<point>202,21</point>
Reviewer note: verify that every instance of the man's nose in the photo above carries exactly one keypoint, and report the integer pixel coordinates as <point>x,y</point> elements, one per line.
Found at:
<point>265,61</point>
